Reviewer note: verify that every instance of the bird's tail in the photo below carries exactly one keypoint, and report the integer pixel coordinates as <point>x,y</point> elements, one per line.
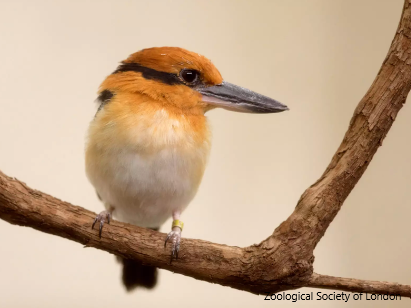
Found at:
<point>135,274</point>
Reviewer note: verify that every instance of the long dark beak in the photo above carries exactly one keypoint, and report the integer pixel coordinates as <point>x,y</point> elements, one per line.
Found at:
<point>232,97</point>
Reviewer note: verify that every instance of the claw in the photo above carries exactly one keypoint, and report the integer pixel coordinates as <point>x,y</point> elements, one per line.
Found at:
<point>101,227</point>
<point>167,238</point>
<point>177,249</point>
<point>172,255</point>
<point>101,218</point>
<point>176,237</point>
<point>95,220</point>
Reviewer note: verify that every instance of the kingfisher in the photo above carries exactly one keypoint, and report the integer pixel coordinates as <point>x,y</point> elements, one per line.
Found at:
<point>148,144</point>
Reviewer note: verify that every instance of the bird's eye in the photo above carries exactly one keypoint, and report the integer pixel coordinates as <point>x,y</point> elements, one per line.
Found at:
<point>189,76</point>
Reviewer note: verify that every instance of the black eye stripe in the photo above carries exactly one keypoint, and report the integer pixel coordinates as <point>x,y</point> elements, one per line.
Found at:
<point>149,73</point>
<point>104,98</point>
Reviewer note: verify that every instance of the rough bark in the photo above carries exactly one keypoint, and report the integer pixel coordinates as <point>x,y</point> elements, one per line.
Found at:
<point>285,259</point>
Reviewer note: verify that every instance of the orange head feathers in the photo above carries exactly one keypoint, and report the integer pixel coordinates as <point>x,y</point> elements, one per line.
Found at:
<point>182,79</point>
<point>174,60</point>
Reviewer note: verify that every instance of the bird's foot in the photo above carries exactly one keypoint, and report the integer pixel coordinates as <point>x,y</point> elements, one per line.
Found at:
<point>175,238</point>
<point>103,217</point>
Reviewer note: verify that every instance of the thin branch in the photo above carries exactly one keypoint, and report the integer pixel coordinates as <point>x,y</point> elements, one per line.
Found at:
<point>285,259</point>
<point>358,285</point>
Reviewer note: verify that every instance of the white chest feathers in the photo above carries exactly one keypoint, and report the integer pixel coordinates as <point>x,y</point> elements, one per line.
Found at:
<point>149,169</point>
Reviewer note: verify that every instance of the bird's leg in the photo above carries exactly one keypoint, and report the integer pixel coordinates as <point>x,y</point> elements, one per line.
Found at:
<point>104,216</point>
<point>175,235</point>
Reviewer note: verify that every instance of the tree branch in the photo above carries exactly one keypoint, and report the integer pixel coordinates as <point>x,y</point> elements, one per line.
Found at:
<point>356,285</point>
<point>285,259</point>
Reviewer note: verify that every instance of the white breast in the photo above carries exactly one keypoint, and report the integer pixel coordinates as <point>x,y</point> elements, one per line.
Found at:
<point>146,188</point>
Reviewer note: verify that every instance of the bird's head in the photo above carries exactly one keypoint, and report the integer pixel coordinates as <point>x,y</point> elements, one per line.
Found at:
<point>183,79</point>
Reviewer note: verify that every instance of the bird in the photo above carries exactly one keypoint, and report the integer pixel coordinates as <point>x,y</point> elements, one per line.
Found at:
<point>149,141</point>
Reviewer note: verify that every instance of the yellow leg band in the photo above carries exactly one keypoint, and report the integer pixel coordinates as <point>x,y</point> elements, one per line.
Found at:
<point>177,223</point>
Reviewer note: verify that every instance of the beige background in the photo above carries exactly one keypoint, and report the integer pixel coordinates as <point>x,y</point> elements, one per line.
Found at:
<point>318,57</point>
